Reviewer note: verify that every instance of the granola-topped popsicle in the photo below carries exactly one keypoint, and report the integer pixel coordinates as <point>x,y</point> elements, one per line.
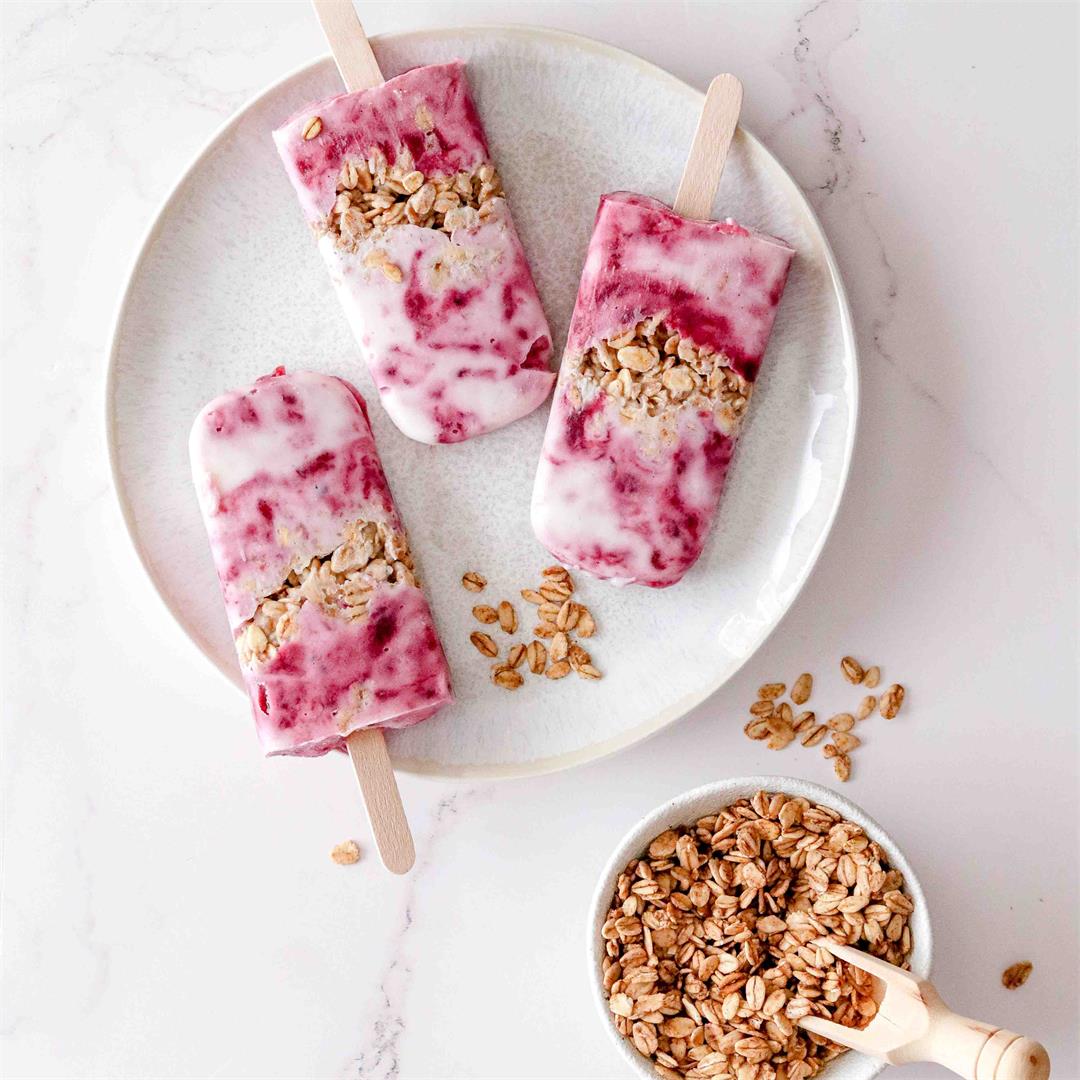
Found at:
<point>671,321</point>
<point>672,318</point>
<point>398,182</point>
<point>332,630</point>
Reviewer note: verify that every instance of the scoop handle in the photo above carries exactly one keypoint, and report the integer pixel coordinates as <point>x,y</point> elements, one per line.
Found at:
<point>979,1051</point>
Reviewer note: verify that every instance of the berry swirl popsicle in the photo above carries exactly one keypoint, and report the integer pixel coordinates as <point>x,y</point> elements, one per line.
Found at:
<point>670,326</point>
<point>332,630</point>
<point>398,183</point>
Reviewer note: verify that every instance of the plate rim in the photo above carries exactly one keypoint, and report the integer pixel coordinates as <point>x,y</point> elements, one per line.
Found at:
<point>426,767</point>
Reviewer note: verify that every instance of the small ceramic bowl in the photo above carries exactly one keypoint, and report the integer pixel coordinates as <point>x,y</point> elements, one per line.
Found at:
<point>686,808</point>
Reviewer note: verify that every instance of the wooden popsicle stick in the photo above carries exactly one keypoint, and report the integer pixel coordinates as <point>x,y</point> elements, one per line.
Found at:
<point>371,760</point>
<point>709,150</point>
<point>367,747</point>
<point>349,44</point>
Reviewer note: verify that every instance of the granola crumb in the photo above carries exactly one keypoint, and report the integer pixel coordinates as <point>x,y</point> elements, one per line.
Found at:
<point>346,853</point>
<point>1014,976</point>
<point>312,129</point>
<point>473,581</point>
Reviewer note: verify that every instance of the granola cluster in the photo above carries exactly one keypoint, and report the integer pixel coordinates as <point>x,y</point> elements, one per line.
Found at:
<point>341,584</point>
<point>651,371</point>
<point>559,619</point>
<point>777,724</point>
<point>710,961</point>
<point>373,195</point>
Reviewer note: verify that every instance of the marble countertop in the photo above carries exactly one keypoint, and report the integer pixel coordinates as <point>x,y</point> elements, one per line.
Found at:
<point>168,906</point>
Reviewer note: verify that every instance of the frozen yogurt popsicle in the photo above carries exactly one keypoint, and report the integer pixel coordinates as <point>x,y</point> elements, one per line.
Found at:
<point>670,326</point>
<point>331,628</point>
<point>411,219</point>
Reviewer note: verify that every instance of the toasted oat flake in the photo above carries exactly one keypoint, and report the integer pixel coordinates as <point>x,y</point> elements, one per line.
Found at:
<point>532,596</point>
<point>845,742</point>
<point>589,671</point>
<point>852,670</point>
<point>891,701</point>
<point>485,614</point>
<point>507,616</point>
<point>558,670</point>
<point>484,643</point>
<point>842,767</point>
<point>866,707</point>
<point>347,853</point>
<point>771,691</point>
<point>473,581</point>
<point>313,128</point>
<point>586,625</point>
<point>802,688</point>
<point>873,677</point>
<point>516,656</point>
<point>840,722</point>
<point>1014,976</point>
<point>536,654</point>
<point>506,677</point>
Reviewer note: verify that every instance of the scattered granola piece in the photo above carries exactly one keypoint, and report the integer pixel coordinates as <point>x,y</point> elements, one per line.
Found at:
<point>484,643</point>
<point>840,722</point>
<point>866,707</point>
<point>515,656</point>
<point>804,686</point>
<point>559,670</point>
<point>842,767</point>
<point>313,128</point>
<point>348,852</point>
<point>586,626</point>
<point>536,654</point>
<point>532,596</point>
<point>852,670</point>
<point>473,581</point>
<point>771,691</point>
<point>507,617</point>
<point>873,677</point>
<point>1014,976</point>
<point>485,614</point>
<point>506,677</point>
<point>891,701</point>
<point>845,742</point>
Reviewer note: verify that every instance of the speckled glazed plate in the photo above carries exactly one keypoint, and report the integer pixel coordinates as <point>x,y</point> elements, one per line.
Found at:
<point>229,284</point>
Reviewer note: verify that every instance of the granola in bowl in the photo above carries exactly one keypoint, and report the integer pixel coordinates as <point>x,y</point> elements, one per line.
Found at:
<point>703,952</point>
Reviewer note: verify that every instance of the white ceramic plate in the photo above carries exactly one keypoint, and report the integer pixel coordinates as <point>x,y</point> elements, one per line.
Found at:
<point>695,804</point>
<point>229,284</point>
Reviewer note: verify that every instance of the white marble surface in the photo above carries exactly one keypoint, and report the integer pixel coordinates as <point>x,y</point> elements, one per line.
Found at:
<point>168,907</point>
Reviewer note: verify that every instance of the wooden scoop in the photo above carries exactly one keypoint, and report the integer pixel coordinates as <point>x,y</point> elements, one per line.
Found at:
<point>367,748</point>
<point>914,1024</point>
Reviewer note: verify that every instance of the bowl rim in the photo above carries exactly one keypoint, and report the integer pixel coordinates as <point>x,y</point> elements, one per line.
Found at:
<point>675,812</point>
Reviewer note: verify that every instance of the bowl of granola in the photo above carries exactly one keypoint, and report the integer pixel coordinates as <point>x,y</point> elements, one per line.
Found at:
<point>701,927</point>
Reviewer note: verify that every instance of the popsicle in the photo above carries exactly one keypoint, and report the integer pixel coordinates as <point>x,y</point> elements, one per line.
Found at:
<point>672,319</point>
<point>398,183</point>
<point>331,627</point>
<point>333,632</point>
